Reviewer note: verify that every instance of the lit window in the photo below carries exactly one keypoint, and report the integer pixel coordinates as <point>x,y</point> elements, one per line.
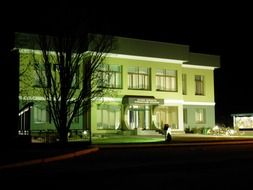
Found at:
<point>166,115</point>
<point>76,117</point>
<point>199,85</point>
<point>40,79</point>
<point>166,80</point>
<point>110,76</point>
<point>200,115</point>
<point>75,78</point>
<point>108,117</point>
<point>185,118</point>
<point>75,81</point>
<point>138,78</point>
<point>40,114</point>
<point>184,84</point>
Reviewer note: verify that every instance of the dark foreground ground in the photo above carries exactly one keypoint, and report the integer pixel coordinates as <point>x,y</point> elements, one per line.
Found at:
<point>185,165</point>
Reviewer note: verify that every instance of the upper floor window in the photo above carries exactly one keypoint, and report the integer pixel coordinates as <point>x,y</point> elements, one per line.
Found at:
<point>110,76</point>
<point>199,85</point>
<point>75,81</point>
<point>166,80</point>
<point>75,78</point>
<point>139,78</point>
<point>40,79</point>
<point>184,84</point>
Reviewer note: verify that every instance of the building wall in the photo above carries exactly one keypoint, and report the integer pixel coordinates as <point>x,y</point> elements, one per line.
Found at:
<point>174,103</point>
<point>190,122</point>
<point>28,92</point>
<point>190,101</point>
<point>153,66</point>
<point>209,85</point>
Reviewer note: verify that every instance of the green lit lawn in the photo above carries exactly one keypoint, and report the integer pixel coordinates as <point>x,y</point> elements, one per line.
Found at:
<point>186,138</point>
<point>126,139</point>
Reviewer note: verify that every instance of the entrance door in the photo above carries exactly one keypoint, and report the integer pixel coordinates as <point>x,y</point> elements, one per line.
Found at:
<point>139,117</point>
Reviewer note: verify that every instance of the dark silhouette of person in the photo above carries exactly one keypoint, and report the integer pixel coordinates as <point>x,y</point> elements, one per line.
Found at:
<point>167,132</point>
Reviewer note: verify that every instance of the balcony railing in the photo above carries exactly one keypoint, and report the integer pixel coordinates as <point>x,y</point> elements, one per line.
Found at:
<point>25,120</point>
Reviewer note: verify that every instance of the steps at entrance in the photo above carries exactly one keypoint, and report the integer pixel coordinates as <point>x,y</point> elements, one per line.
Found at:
<point>157,133</point>
<point>147,132</point>
<point>177,132</point>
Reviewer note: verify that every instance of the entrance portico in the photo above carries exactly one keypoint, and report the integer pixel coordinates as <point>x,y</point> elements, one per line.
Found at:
<point>149,113</point>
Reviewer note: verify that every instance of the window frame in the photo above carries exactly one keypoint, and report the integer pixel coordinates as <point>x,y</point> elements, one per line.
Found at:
<point>200,116</point>
<point>166,81</point>
<point>199,85</point>
<point>138,80</point>
<point>108,75</point>
<point>42,71</point>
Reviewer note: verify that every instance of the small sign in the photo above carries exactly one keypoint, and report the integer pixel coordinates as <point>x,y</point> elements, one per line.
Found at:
<point>146,101</point>
<point>142,100</point>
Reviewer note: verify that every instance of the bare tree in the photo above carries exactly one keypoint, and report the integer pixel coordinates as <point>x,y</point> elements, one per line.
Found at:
<point>69,73</point>
<point>25,82</point>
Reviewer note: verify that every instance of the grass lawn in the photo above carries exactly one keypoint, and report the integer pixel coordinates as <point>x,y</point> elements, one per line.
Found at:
<point>126,139</point>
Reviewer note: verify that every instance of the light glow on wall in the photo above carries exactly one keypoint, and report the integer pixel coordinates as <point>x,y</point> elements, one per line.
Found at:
<point>143,58</point>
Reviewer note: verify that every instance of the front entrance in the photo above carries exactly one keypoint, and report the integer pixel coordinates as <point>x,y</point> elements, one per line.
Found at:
<point>138,117</point>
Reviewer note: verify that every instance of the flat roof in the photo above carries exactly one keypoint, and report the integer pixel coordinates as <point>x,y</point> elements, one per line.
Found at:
<point>242,114</point>
<point>139,47</point>
<point>203,59</point>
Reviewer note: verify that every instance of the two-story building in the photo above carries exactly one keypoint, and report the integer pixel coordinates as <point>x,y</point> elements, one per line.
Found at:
<point>154,83</point>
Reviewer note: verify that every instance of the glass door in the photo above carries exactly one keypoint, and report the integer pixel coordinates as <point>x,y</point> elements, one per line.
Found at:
<point>139,117</point>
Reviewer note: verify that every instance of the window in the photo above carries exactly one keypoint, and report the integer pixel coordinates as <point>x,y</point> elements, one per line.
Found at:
<point>199,85</point>
<point>70,112</point>
<point>41,115</point>
<point>166,80</point>
<point>108,117</point>
<point>200,115</point>
<point>76,119</point>
<point>184,84</point>
<point>75,79</point>
<point>166,115</point>
<point>110,76</point>
<point>40,79</point>
<point>185,118</point>
<point>139,78</point>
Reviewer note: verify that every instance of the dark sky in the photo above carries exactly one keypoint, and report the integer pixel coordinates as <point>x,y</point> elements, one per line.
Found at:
<point>212,28</point>
<point>208,27</point>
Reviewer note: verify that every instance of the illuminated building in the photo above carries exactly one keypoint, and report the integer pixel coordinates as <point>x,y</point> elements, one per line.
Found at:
<point>154,84</point>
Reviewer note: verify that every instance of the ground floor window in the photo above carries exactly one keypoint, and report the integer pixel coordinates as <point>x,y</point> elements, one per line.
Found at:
<point>40,114</point>
<point>200,115</point>
<point>166,115</point>
<point>108,117</point>
<point>185,118</point>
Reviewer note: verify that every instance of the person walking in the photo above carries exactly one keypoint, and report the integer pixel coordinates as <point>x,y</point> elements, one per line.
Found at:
<point>167,132</point>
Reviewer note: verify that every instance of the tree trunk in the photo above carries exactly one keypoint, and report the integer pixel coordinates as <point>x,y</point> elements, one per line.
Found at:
<point>63,130</point>
<point>63,135</point>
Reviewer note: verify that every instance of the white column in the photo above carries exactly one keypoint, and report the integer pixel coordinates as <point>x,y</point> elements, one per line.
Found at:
<point>234,123</point>
<point>180,118</point>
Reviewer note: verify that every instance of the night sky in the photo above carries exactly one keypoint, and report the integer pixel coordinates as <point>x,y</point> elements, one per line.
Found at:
<point>223,29</point>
